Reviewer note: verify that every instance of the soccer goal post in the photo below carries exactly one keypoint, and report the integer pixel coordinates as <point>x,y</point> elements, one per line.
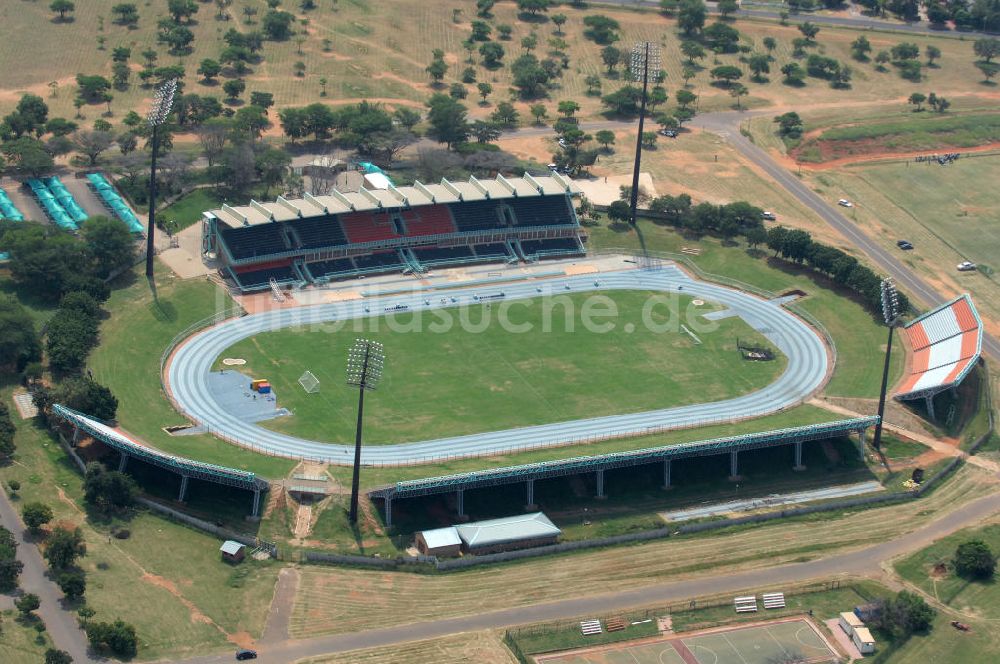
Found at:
<point>309,382</point>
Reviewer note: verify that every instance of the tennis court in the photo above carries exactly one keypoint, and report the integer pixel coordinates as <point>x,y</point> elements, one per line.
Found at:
<point>786,641</point>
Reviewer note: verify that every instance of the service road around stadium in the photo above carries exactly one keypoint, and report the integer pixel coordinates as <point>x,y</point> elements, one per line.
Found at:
<point>807,369</point>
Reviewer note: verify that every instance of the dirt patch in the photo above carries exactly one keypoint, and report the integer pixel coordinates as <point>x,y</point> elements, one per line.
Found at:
<point>833,154</point>
<point>171,587</point>
<point>939,571</point>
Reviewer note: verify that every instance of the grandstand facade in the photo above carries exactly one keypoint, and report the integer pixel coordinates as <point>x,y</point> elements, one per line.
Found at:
<point>946,344</point>
<point>318,239</point>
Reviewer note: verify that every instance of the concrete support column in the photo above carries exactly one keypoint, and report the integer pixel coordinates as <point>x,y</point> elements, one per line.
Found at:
<point>600,484</point>
<point>930,407</point>
<point>798,457</point>
<point>530,505</point>
<point>184,488</point>
<point>256,502</point>
<point>460,496</point>
<point>76,435</point>
<point>734,466</point>
<point>388,512</point>
<point>666,474</point>
<point>861,443</point>
<point>122,463</point>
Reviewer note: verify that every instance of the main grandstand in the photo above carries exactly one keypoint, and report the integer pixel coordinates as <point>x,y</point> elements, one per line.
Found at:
<point>318,239</point>
<point>946,344</point>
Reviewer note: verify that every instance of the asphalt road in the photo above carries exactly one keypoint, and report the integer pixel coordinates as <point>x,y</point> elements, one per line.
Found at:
<point>862,562</point>
<point>60,623</point>
<point>191,364</point>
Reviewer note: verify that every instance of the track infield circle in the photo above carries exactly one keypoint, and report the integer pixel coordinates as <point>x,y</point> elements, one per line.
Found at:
<point>807,368</point>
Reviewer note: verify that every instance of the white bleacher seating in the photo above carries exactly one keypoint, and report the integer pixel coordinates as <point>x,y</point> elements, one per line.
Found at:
<point>589,627</point>
<point>745,604</point>
<point>773,600</point>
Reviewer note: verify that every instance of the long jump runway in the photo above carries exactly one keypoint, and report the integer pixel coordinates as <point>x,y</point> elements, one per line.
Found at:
<point>807,367</point>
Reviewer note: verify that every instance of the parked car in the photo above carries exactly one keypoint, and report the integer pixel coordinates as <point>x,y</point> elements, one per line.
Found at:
<point>966,266</point>
<point>562,142</point>
<point>553,167</point>
<point>843,202</point>
<point>768,215</point>
<point>246,654</point>
<point>671,133</point>
<point>905,245</point>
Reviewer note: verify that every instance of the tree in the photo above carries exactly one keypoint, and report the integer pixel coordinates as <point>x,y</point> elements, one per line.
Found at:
<point>437,69</point>
<point>35,515</point>
<point>987,48</point>
<point>685,97</point>
<point>93,143</point>
<point>727,74</point>
<point>492,54</point>
<point>691,16</point>
<point>605,137</point>
<point>649,139</point>
<point>809,30</point>
<point>209,70</point>
<point>19,345</point>
<point>933,53</point>
<point>277,25</point>
<point>27,603</point>
<point>73,583</point>
<point>272,166</point>
<point>881,58</point>
<point>62,7</point>
<point>624,101</point>
<point>182,9</point>
<point>770,43</point>
<point>406,117</point>
<point>692,50</point>
<point>860,48</point>
<point>480,31</point>
<point>84,394</point>
<point>905,614</point>
<point>974,560</point>
<point>601,29</point>
<point>611,57</point>
<point>737,91</point>
<point>117,637</point>
<point>505,115</point>
<point>759,64</point>
<point>485,132</point>
<point>108,490</point>
<point>109,243</point>
<point>529,76</point>
<point>448,120</point>
<point>92,88</point>
<point>559,20</point>
<point>539,112</point>
<point>533,7</point>
<point>10,566</point>
<point>619,212</point>
<point>727,7</point>
<point>989,69</point>
<point>917,99</point>
<point>789,124</point>
<point>27,156</point>
<point>126,14</point>
<point>483,8</point>
<point>234,88</point>
<point>530,42</point>
<point>53,656</point>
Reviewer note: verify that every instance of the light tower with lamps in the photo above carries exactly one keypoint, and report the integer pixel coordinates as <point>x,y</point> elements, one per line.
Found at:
<point>890,312</point>
<point>163,102</point>
<point>645,56</point>
<point>365,361</point>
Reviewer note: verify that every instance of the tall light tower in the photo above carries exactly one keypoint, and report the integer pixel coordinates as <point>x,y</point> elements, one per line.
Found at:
<point>645,56</point>
<point>163,102</point>
<point>890,312</point>
<point>365,360</point>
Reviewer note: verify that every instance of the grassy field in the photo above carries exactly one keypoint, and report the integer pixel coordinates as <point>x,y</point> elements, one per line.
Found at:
<point>188,208</point>
<point>947,212</point>
<point>180,597</point>
<point>538,361</point>
<point>375,53</point>
<point>480,647</point>
<point>127,360</point>
<point>19,642</point>
<point>344,600</point>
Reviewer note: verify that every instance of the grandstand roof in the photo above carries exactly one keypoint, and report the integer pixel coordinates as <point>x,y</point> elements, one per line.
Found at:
<point>946,343</point>
<point>508,529</point>
<point>439,537</point>
<point>338,202</point>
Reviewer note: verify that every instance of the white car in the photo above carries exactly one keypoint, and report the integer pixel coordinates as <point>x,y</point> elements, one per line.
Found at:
<point>770,216</point>
<point>843,202</point>
<point>966,266</point>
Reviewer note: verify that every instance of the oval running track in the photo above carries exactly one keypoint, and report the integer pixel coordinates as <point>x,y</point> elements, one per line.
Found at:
<point>806,370</point>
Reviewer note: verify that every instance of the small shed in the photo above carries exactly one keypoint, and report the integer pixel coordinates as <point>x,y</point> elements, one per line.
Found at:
<point>232,552</point>
<point>509,533</point>
<point>440,542</point>
<point>863,640</point>
<point>850,622</point>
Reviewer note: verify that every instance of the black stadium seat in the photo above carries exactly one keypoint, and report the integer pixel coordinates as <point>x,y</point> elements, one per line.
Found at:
<point>317,232</point>
<point>250,241</point>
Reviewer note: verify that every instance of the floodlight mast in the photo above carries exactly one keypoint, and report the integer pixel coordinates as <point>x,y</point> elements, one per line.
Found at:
<point>365,361</point>
<point>163,102</point>
<point>890,313</point>
<point>644,56</point>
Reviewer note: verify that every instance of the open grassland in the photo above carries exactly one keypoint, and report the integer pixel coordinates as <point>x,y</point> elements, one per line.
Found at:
<point>165,579</point>
<point>504,365</point>
<point>975,599</point>
<point>480,647</point>
<point>20,643</point>
<point>139,328</point>
<point>944,643</point>
<point>344,600</point>
<point>948,212</point>
<point>379,51</point>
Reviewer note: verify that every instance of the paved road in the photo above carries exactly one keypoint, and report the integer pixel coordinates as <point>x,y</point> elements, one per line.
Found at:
<point>61,624</point>
<point>862,562</point>
<point>191,364</point>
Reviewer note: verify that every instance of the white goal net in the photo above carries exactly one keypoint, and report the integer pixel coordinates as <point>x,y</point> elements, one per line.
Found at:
<point>309,382</point>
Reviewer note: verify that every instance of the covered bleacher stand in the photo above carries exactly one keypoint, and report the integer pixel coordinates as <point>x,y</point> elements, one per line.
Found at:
<point>318,239</point>
<point>946,344</point>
